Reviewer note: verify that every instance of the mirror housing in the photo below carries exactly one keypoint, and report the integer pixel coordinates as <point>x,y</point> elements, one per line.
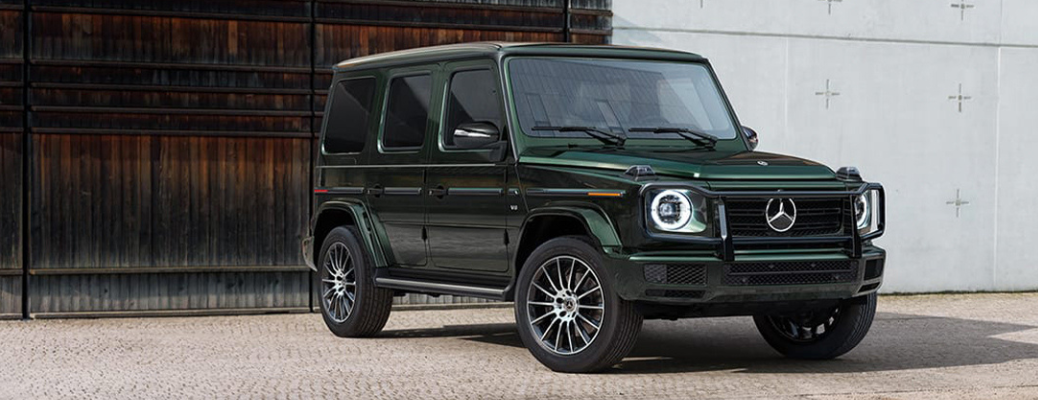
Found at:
<point>849,174</point>
<point>476,135</point>
<point>751,136</point>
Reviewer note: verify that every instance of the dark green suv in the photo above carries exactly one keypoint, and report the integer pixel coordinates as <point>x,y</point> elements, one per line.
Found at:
<point>594,186</point>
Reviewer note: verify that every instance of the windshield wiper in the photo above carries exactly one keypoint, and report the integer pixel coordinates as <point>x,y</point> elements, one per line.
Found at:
<point>698,137</point>
<point>605,136</point>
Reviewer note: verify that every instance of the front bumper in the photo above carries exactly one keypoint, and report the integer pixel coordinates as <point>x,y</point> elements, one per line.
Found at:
<point>756,277</point>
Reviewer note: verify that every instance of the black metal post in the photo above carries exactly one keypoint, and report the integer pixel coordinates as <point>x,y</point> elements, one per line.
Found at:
<point>26,160</point>
<point>314,129</point>
<point>567,25</point>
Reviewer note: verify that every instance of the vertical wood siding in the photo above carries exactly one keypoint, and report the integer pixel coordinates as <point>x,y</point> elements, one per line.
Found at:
<point>127,201</point>
<point>74,294</point>
<point>10,225</point>
<point>11,116</point>
<point>171,157</point>
<point>173,140</point>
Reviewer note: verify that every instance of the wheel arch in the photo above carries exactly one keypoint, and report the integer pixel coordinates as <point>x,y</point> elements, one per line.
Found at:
<point>548,223</point>
<point>333,214</point>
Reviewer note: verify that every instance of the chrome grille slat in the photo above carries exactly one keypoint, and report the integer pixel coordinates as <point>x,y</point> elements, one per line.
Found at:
<point>815,217</point>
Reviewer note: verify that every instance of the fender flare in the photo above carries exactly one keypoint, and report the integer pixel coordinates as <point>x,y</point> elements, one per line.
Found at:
<point>363,221</point>
<point>595,222</point>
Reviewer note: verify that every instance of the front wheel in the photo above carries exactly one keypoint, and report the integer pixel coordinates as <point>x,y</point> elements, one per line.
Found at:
<point>567,310</point>
<point>821,334</point>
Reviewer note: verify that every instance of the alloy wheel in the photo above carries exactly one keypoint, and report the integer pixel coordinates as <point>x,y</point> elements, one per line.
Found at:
<point>339,283</point>
<point>806,328</point>
<point>565,305</point>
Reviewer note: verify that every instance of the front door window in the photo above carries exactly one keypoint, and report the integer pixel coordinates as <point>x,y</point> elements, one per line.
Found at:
<point>473,97</point>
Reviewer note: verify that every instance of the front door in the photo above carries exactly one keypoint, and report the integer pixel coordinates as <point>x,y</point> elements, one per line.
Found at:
<point>467,206</point>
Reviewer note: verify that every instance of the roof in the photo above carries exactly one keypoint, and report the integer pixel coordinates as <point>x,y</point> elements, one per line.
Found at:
<point>492,49</point>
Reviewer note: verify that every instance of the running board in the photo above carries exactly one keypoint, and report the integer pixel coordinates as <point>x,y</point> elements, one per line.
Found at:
<point>417,286</point>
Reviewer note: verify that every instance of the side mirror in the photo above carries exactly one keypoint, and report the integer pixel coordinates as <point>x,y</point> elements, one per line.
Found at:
<point>751,136</point>
<point>849,174</point>
<point>476,135</point>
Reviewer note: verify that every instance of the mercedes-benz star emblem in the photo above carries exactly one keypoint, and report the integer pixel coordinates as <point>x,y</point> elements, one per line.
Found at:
<point>781,214</point>
<point>762,163</point>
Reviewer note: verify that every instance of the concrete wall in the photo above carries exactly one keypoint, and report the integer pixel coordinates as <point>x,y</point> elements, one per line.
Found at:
<point>895,65</point>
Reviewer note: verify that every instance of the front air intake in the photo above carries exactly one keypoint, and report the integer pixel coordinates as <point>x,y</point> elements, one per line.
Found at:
<point>873,268</point>
<point>790,273</point>
<point>676,274</point>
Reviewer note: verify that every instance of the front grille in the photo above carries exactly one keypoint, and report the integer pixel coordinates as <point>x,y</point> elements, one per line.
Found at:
<point>676,274</point>
<point>815,217</point>
<point>790,273</point>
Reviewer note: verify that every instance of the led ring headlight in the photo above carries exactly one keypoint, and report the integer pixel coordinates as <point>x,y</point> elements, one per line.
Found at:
<point>863,210</point>
<point>671,210</point>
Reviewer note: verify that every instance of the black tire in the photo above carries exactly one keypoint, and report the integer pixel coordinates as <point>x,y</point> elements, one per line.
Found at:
<point>618,324</point>
<point>844,328</point>
<point>367,314</point>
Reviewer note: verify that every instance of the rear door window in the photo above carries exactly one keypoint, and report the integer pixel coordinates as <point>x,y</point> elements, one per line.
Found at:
<point>407,112</point>
<point>349,116</point>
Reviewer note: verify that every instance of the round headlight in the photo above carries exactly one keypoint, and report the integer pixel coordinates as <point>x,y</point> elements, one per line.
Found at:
<point>671,210</point>
<point>863,210</point>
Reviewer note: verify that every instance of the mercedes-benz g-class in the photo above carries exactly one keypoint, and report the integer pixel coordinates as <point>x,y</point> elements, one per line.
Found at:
<point>593,186</point>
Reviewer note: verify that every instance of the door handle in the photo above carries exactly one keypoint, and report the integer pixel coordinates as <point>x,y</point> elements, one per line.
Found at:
<point>375,191</point>
<point>438,191</point>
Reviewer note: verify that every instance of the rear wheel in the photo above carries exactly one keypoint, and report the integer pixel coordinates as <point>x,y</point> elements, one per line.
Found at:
<point>350,303</point>
<point>821,334</point>
<point>567,310</point>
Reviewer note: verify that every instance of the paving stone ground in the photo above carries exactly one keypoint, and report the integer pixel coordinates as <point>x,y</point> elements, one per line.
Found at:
<point>921,347</point>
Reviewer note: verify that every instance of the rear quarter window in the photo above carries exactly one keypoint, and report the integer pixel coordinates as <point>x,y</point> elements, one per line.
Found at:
<point>349,116</point>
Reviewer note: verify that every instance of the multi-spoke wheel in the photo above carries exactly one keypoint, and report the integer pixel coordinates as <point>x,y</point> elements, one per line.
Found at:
<point>807,327</point>
<point>350,303</point>
<point>819,334</point>
<point>339,287</point>
<point>567,310</point>
<point>565,305</point>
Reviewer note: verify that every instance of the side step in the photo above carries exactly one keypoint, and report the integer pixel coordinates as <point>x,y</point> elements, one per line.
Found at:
<point>417,286</point>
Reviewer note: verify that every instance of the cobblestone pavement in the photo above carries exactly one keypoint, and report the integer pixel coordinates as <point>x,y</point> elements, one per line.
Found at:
<point>933,347</point>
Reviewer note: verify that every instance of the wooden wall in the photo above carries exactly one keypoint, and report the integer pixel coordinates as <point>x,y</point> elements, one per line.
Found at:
<point>171,155</point>
<point>171,142</point>
<point>11,116</point>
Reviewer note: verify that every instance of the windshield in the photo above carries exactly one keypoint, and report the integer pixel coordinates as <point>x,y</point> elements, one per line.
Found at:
<point>618,96</point>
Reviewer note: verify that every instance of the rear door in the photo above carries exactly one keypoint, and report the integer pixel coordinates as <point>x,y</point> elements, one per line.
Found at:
<point>396,172</point>
<point>467,206</point>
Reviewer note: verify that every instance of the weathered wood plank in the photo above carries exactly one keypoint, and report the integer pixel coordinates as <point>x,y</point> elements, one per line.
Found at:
<point>11,160</point>
<point>10,295</point>
<point>11,206</point>
<point>168,173</point>
<point>173,135</point>
<point>163,292</point>
<point>69,36</point>
<point>339,42</point>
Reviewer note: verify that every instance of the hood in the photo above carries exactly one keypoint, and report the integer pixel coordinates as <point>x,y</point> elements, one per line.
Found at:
<point>695,164</point>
